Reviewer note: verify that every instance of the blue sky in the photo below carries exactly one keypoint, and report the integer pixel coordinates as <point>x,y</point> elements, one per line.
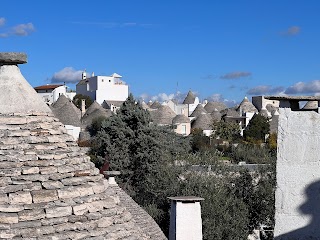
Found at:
<point>221,50</point>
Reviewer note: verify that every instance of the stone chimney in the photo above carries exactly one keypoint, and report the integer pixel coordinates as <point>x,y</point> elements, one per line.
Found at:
<point>185,218</point>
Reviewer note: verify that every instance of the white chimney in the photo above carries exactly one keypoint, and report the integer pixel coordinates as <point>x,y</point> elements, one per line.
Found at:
<point>83,106</point>
<point>84,75</point>
<point>185,218</point>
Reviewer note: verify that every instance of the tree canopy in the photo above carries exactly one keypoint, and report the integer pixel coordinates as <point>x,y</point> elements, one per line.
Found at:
<point>156,163</point>
<point>257,128</point>
<point>229,131</point>
<point>78,99</point>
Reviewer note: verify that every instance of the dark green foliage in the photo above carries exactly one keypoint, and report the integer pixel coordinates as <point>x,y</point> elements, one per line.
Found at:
<point>153,161</point>
<point>229,131</point>
<point>78,99</point>
<point>224,216</point>
<point>200,142</point>
<point>256,190</point>
<point>135,147</point>
<point>250,153</point>
<point>257,129</point>
<point>96,125</point>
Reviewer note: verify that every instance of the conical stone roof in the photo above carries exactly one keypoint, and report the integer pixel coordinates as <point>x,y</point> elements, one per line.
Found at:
<point>247,106</point>
<point>18,96</point>
<point>203,121</point>
<point>49,188</point>
<point>163,115</point>
<point>155,105</point>
<point>180,118</point>
<point>144,105</point>
<point>216,115</point>
<point>190,98</point>
<point>211,106</point>
<point>66,111</point>
<point>94,111</point>
<point>198,111</point>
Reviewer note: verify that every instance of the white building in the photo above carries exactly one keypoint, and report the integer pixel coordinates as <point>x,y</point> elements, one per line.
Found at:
<point>103,88</point>
<point>51,92</point>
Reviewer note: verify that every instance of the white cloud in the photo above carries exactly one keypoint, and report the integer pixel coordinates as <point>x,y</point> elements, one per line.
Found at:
<point>18,30</point>
<point>217,97</point>
<point>235,75</point>
<point>304,87</point>
<point>291,31</point>
<point>67,75</point>
<point>265,89</point>
<point>2,21</point>
<point>162,97</point>
<point>23,29</point>
<point>4,35</point>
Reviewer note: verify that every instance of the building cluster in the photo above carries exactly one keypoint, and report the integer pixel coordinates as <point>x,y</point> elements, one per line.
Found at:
<point>109,92</point>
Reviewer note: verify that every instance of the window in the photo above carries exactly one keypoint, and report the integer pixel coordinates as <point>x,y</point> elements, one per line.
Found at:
<point>184,129</point>
<point>102,80</point>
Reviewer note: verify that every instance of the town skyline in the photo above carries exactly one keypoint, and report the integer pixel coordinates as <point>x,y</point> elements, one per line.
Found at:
<point>220,51</point>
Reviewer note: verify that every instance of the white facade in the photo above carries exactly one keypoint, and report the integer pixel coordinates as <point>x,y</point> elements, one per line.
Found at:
<point>73,131</point>
<point>51,93</point>
<point>193,106</point>
<point>101,88</point>
<point>178,108</point>
<point>183,128</point>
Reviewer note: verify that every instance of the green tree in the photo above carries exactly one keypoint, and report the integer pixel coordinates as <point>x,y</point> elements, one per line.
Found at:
<point>200,142</point>
<point>257,129</point>
<point>229,131</point>
<point>154,162</point>
<point>144,153</point>
<point>78,99</point>
<point>256,190</point>
<point>224,216</point>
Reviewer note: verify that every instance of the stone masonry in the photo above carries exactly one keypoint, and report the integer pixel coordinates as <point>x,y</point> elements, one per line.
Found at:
<point>298,176</point>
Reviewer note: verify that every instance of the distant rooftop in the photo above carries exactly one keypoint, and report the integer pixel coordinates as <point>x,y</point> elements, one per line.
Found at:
<point>294,98</point>
<point>48,86</point>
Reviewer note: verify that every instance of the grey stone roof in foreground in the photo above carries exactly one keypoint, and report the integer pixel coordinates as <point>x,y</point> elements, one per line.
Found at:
<point>141,217</point>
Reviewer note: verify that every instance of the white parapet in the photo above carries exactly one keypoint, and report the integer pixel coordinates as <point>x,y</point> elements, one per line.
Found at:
<point>185,218</point>
<point>298,176</point>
